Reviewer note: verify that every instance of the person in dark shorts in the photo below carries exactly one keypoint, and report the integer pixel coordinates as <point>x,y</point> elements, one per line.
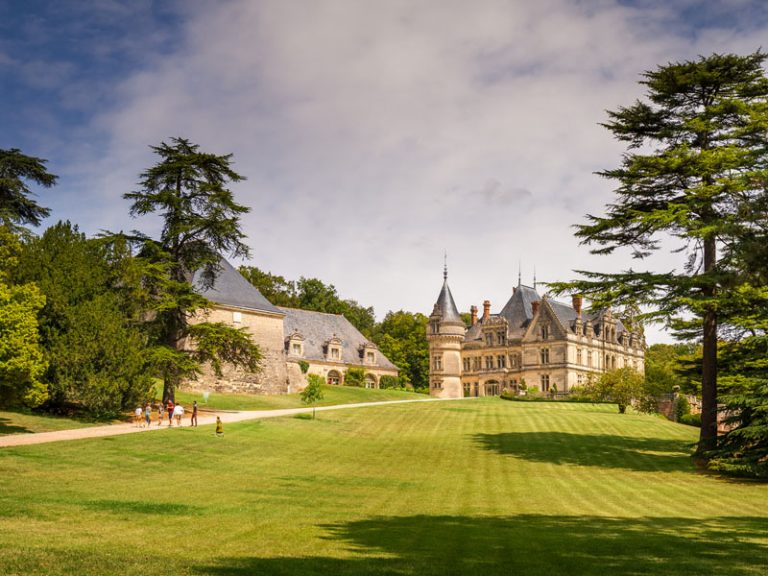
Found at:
<point>219,427</point>
<point>193,421</point>
<point>169,410</point>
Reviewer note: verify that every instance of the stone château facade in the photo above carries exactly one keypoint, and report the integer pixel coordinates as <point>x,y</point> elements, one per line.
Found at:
<point>546,345</point>
<point>328,343</point>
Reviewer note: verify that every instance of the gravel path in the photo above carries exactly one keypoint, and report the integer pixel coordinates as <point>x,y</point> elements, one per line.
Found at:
<point>203,419</point>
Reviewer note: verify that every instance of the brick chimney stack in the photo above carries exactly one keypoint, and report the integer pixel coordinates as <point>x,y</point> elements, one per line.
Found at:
<point>535,307</point>
<point>473,311</point>
<point>577,301</point>
<point>486,310</point>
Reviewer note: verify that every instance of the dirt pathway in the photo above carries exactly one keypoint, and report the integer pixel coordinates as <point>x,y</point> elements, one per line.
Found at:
<point>203,419</point>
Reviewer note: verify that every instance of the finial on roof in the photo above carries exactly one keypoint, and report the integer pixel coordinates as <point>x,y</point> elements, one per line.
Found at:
<point>534,277</point>
<point>519,273</point>
<point>445,265</point>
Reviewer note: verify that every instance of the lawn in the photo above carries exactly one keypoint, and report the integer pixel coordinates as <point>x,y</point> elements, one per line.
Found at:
<point>28,422</point>
<point>464,487</point>
<point>332,395</point>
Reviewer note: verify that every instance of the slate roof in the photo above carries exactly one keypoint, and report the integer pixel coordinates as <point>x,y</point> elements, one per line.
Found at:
<point>446,306</point>
<point>318,327</point>
<point>231,289</point>
<point>518,310</point>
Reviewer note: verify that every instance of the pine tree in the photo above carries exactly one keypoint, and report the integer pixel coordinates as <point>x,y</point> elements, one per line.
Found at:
<point>201,223</point>
<point>17,209</point>
<point>696,170</point>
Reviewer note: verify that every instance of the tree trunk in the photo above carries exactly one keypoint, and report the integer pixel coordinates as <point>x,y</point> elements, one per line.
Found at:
<point>708,436</point>
<point>169,390</point>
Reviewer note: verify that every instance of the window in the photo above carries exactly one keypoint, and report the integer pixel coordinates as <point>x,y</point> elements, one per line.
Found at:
<point>467,389</point>
<point>237,317</point>
<point>545,355</point>
<point>296,349</point>
<point>489,339</point>
<point>501,338</point>
<point>579,379</point>
<point>437,362</point>
<point>501,361</point>
<point>489,362</point>
<point>437,384</point>
<point>476,363</point>
<point>435,326</point>
<point>335,353</point>
<point>370,357</point>
<point>589,358</point>
<point>513,360</point>
<point>545,332</point>
<point>467,364</point>
<point>579,358</point>
<point>545,382</point>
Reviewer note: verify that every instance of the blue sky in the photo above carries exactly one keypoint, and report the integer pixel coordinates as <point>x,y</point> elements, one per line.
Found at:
<point>374,135</point>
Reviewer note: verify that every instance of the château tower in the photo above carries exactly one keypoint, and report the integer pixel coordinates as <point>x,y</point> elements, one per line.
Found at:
<point>445,334</point>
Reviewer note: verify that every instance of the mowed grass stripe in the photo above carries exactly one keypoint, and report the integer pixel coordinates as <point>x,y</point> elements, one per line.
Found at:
<point>470,487</point>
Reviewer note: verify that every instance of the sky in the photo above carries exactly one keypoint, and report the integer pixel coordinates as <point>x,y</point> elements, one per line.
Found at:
<point>375,136</point>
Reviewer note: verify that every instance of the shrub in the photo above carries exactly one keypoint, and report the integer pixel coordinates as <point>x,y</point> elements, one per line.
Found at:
<point>389,382</point>
<point>304,365</point>
<point>355,377</point>
<point>690,419</point>
<point>682,408</point>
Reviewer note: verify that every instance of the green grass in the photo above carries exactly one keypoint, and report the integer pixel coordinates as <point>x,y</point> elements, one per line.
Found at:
<point>333,395</point>
<point>467,487</point>
<point>27,422</point>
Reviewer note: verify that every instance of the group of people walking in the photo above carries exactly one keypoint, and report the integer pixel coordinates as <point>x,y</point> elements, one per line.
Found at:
<point>175,412</point>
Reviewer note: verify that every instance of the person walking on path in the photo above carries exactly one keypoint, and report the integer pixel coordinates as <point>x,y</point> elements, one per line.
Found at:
<point>148,414</point>
<point>193,420</point>
<point>169,410</point>
<point>137,417</point>
<point>178,412</point>
<point>159,413</point>
<point>219,427</point>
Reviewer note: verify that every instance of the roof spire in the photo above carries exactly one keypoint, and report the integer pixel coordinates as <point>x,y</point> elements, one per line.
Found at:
<point>519,273</point>
<point>534,277</point>
<point>445,265</point>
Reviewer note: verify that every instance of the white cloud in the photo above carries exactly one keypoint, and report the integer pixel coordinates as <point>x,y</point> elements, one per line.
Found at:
<point>376,134</point>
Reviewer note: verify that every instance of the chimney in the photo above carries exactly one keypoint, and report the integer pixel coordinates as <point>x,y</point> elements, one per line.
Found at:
<point>486,310</point>
<point>473,311</point>
<point>577,300</point>
<point>535,307</point>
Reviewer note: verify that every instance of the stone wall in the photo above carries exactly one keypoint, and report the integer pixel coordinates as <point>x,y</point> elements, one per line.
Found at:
<point>267,332</point>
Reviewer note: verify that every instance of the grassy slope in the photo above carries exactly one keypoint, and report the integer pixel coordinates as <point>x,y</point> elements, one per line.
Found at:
<point>332,395</point>
<point>25,423</point>
<point>468,487</point>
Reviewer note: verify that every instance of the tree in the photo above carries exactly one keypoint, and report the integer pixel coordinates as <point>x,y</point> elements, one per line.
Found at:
<point>620,386</point>
<point>276,289</point>
<point>17,209</point>
<point>310,294</point>
<point>401,337</point>
<point>21,359</point>
<point>89,326</point>
<point>313,392</point>
<point>695,171</point>
<point>666,366</point>
<point>201,222</point>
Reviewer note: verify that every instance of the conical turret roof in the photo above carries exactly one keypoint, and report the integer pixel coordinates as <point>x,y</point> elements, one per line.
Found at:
<point>445,304</point>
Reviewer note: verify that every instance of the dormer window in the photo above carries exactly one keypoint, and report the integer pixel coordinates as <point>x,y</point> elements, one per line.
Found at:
<point>545,332</point>
<point>333,348</point>
<point>370,357</point>
<point>295,344</point>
